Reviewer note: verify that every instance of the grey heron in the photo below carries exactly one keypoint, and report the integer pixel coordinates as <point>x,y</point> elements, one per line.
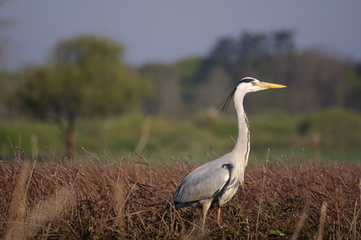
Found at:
<point>216,182</point>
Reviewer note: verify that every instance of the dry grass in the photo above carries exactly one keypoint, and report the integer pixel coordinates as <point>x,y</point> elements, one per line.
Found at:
<point>97,200</point>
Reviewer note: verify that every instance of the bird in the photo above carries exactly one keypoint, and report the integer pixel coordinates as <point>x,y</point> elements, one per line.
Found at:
<point>214,183</point>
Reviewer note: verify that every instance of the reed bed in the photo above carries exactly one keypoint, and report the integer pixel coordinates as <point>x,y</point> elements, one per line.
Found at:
<point>127,200</point>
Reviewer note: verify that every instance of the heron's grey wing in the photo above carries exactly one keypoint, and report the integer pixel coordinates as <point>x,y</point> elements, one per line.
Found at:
<point>202,183</point>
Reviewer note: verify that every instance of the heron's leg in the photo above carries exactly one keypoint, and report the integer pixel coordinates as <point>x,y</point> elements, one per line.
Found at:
<point>219,217</point>
<point>205,208</point>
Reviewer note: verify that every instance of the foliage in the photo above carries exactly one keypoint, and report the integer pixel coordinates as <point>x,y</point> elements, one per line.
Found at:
<point>8,85</point>
<point>353,88</point>
<point>95,200</point>
<point>316,79</point>
<point>85,78</point>
<point>167,98</point>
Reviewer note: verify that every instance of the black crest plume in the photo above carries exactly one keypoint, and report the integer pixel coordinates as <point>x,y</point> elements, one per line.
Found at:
<point>224,105</point>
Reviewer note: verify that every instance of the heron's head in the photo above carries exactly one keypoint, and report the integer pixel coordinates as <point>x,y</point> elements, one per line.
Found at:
<point>250,84</point>
<point>246,85</point>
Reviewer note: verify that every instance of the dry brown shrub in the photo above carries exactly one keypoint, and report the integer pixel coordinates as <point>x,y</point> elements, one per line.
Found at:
<point>127,200</point>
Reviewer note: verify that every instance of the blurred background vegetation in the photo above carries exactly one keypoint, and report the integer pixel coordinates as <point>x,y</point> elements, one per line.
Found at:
<point>87,97</point>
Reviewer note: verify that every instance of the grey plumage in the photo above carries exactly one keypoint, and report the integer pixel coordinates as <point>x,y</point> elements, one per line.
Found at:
<point>215,183</point>
<point>204,183</point>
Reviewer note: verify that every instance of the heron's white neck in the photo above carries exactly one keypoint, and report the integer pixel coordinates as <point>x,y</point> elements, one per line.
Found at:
<point>242,148</point>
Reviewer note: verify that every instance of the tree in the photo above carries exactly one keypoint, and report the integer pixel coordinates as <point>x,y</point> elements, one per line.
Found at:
<point>85,78</point>
<point>316,81</point>
<point>167,98</point>
<point>352,89</point>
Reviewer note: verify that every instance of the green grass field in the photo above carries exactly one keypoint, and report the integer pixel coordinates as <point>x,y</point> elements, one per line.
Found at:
<point>331,135</point>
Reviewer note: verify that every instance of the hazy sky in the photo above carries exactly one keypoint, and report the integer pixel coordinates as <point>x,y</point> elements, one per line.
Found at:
<point>166,30</point>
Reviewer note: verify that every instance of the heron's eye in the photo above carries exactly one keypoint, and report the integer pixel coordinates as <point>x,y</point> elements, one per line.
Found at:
<point>247,80</point>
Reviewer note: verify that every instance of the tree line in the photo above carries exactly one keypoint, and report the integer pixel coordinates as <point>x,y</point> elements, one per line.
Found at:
<point>315,78</point>
<point>86,76</point>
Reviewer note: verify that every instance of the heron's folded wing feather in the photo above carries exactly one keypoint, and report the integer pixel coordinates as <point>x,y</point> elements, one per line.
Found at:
<point>202,183</point>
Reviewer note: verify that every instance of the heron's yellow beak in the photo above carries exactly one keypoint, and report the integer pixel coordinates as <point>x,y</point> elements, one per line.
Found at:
<point>269,85</point>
